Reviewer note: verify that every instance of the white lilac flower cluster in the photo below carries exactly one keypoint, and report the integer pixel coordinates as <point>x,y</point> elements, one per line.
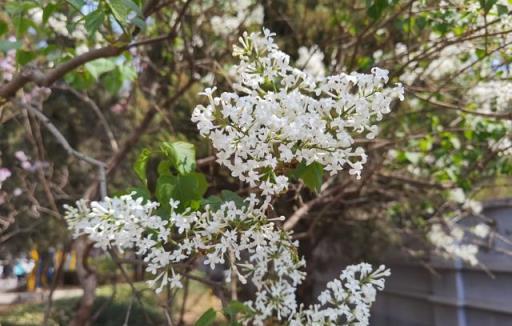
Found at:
<point>278,116</point>
<point>449,241</point>
<point>312,60</point>
<point>301,118</point>
<point>236,14</point>
<point>494,97</point>
<point>453,58</point>
<point>346,300</point>
<point>59,22</point>
<point>263,255</point>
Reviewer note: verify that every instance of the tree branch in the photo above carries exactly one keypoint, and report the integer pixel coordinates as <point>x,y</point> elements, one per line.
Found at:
<point>449,106</point>
<point>102,179</point>
<point>40,78</point>
<point>35,75</point>
<point>87,100</point>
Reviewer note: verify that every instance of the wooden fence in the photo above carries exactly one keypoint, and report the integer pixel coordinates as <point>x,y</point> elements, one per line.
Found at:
<point>457,294</point>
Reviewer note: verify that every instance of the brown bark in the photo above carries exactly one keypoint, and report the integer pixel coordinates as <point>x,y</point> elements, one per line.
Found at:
<point>45,79</point>
<point>87,278</point>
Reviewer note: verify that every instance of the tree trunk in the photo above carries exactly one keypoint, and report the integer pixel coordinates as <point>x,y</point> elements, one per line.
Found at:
<point>88,281</point>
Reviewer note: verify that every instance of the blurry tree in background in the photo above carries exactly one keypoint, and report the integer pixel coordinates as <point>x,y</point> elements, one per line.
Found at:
<point>87,86</point>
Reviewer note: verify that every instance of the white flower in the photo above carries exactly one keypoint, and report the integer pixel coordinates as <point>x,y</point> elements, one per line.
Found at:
<point>481,230</point>
<point>473,206</point>
<point>174,281</point>
<point>347,299</point>
<point>449,243</point>
<point>236,14</point>
<point>271,119</point>
<point>173,203</point>
<point>311,60</point>
<point>264,255</point>
<point>457,195</point>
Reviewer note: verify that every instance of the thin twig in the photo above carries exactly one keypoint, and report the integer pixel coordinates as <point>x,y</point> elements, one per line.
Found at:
<point>107,303</point>
<point>127,317</point>
<point>70,150</point>
<point>86,99</point>
<point>130,283</point>
<point>184,302</point>
<point>234,283</point>
<point>55,282</point>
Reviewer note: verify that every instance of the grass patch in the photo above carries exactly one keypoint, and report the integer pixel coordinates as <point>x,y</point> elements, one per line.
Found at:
<point>115,308</point>
<point>114,312</point>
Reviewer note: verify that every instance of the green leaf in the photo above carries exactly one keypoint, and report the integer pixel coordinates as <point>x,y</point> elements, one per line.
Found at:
<point>188,189</point>
<point>77,4</point>
<point>81,80</point>
<point>127,71</point>
<point>455,142</point>
<point>113,81</point>
<point>48,10</point>
<point>213,201</point>
<point>164,167</point>
<point>450,141</point>
<point>123,10</point>
<point>442,27</point>
<point>502,9</point>
<point>233,308</point>
<point>413,157</point>
<point>141,163</point>
<point>21,24</point>
<point>425,144</point>
<point>19,7</point>
<point>376,8</point>
<point>139,22</point>
<point>94,20</point>
<point>311,175</point>
<point>206,319</point>
<point>23,57</point>
<point>140,192</point>
<point>469,134</point>
<point>3,27</point>
<point>364,62</point>
<point>181,154</point>
<point>480,53</point>
<point>9,45</point>
<point>165,189</point>
<point>100,66</point>
<point>226,195</point>
<point>487,4</point>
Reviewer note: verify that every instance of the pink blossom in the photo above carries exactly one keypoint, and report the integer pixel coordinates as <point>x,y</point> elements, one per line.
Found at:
<point>4,174</point>
<point>26,165</point>
<point>20,155</point>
